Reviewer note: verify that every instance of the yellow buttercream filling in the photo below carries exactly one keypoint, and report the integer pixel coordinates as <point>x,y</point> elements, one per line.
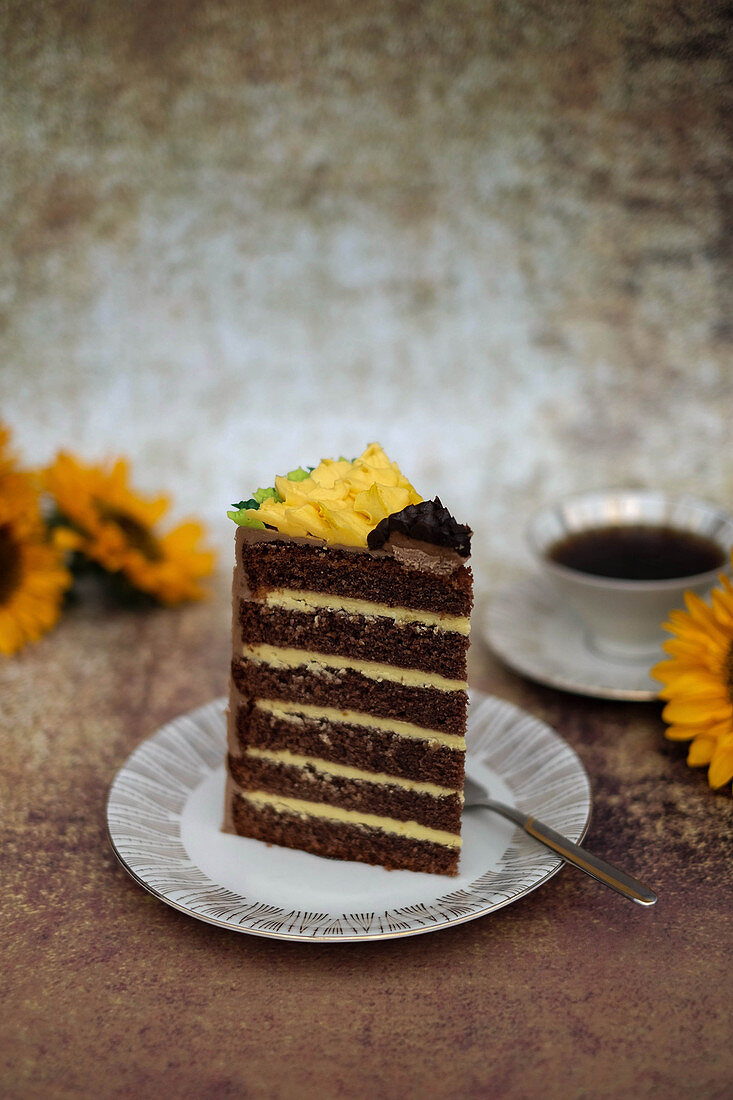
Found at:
<point>283,657</point>
<point>357,718</point>
<point>343,771</point>
<point>301,808</point>
<point>296,600</point>
<point>340,501</point>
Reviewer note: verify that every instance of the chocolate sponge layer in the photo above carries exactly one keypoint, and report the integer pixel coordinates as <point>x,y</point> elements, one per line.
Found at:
<point>385,800</point>
<point>362,576</point>
<point>337,840</point>
<point>340,743</point>
<point>350,690</point>
<point>371,638</point>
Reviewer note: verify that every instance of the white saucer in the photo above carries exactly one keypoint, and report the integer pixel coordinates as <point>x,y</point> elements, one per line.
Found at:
<point>534,633</point>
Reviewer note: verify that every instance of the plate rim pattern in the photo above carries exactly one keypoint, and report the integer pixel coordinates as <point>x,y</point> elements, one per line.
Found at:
<point>149,793</point>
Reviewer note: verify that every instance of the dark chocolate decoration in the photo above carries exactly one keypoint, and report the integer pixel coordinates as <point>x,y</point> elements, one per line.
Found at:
<point>429,522</point>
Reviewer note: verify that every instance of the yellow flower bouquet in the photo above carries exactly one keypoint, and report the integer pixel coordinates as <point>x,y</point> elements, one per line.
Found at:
<point>96,518</point>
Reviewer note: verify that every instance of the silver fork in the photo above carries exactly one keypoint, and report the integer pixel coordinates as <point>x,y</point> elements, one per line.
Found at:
<point>475,794</point>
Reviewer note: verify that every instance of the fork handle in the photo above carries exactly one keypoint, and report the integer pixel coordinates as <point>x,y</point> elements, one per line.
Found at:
<point>592,865</point>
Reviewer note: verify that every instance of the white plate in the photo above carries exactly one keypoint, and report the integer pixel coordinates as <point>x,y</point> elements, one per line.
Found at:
<point>166,804</point>
<point>528,626</point>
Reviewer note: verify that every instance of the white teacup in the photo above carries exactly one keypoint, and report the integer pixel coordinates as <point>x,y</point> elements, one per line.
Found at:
<point>623,618</point>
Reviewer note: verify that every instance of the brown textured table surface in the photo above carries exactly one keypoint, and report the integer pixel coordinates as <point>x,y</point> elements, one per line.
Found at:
<point>571,991</point>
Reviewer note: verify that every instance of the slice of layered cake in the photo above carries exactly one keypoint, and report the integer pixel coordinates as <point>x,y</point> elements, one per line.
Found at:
<point>347,712</point>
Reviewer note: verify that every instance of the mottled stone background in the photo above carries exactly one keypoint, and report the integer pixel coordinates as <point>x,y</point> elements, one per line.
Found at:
<point>494,236</point>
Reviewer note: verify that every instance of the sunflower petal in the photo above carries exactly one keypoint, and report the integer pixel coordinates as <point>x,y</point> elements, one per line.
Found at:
<point>66,539</point>
<point>690,713</point>
<point>697,684</point>
<point>682,733</point>
<point>699,611</point>
<point>720,771</point>
<point>700,751</point>
<point>723,609</point>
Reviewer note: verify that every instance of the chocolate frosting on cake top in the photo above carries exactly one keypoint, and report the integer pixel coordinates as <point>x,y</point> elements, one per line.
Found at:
<point>429,521</point>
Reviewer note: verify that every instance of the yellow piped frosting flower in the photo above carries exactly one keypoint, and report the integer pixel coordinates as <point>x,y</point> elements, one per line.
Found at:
<point>698,681</point>
<point>338,501</point>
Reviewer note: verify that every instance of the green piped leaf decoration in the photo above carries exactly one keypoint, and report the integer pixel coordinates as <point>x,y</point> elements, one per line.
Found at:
<point>298,475</point>
<point>267,494</point>
<point>243,519</point>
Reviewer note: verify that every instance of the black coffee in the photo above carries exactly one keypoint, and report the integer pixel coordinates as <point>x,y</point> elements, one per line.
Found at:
<point>640,552</point>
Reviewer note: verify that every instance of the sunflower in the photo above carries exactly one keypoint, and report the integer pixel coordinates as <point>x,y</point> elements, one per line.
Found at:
<point>698,681</point>
<point>102,518</point>
<point>32,576</point>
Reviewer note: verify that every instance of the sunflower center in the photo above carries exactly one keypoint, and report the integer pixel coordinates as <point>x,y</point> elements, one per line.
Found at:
<point>138,537</point>
<point>11,567</point>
